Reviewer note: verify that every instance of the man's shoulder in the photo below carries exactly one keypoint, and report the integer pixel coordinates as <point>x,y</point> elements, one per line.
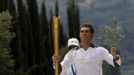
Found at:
<point>100,48</point>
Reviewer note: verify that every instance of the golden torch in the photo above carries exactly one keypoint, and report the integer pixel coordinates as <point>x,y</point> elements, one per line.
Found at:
<point>56,40</point>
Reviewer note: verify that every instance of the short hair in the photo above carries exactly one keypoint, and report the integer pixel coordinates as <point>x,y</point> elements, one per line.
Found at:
<point>89,26</point>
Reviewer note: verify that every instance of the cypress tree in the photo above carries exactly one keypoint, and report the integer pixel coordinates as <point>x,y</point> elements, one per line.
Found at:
<point>34,22</point>
<point>44,39</point>
<point>73,19</point>
<point>3,5</point>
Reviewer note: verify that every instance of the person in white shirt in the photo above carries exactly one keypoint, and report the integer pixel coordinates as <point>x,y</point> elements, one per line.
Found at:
<point>73,44</point>
<point>88,59</point>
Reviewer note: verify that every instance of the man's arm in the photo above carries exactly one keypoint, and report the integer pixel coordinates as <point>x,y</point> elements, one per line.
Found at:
<point>65,64</point>
<point>111,58</point>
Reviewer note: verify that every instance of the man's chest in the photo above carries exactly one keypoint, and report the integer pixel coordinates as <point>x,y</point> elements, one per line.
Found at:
<point>87,57</point>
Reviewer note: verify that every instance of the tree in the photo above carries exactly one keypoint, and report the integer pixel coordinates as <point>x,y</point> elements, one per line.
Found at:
<point>3,5</point>
<point>11,7</point>
<point>34,23</point>
<point>6,61</point>
<point>19,41</point>
<point>73,19</point>
<point>44,43</point>
<point>110,34</point>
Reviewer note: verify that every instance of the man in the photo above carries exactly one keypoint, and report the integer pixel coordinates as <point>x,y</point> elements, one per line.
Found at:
<point>88,59</point>
<point>73,44</point>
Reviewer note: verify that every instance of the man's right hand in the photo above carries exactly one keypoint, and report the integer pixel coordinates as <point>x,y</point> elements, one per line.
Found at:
<point>55,59</point>
<point>114,53</point>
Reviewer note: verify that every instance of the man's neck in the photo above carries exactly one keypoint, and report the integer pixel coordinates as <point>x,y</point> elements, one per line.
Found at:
<point>85,45</point>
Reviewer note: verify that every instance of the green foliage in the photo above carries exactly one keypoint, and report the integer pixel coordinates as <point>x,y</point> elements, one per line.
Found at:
<point>6,62</point>
<point>110,34</point>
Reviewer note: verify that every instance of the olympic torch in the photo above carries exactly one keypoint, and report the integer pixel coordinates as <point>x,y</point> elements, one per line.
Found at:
<point>56,40</point>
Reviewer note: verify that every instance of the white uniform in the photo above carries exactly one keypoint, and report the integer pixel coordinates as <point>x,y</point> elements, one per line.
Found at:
<point>67,69</point>
<point>87,62</point>
<point>67,62</point>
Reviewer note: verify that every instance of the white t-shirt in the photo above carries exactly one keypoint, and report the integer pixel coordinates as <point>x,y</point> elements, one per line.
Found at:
<point>87,62</point>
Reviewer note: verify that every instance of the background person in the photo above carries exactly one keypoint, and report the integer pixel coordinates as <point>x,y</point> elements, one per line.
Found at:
<point>73,44</point>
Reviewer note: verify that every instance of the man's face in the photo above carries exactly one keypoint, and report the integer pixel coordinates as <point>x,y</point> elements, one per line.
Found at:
<point>72,46</point>
<point>85,34</point>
